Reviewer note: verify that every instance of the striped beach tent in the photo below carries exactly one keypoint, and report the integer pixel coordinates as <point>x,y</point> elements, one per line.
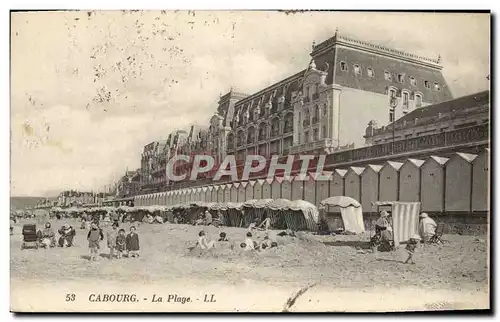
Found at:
<point>405,219</point>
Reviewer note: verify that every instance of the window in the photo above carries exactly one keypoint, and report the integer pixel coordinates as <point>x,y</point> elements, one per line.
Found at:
<point>315,114</point>
<point>405,100</point>
<point>413,81</point>
<point>392,94</point>
<point>391,116</point>
<point>307,117</point>
<point>418,100</point>
<point>387,75</point>
<point>437,86</point>
<point>369,72</point>
<point>306,136</point>
<point>343,66</point>
<point>325,110</point>
<point>357,70</point>
<point>401,78</point>
<point>316,134</point>
<point>427,84</point>
<point>323,134</point>
<point>262,131</point>
<point>306,92</point>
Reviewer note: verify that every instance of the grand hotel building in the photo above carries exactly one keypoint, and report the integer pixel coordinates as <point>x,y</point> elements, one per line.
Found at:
<point>348,85</point>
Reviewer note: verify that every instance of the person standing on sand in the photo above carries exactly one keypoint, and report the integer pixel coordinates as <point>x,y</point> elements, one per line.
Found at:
<point>132,242</point>
<point>266,223</point>
<point>111,236</point>
<point>121,243</point>
<point>94,237</point>
<point>410,248</point>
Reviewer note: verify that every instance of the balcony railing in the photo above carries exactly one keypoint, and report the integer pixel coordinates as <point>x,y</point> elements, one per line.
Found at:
<point>306,122</point>
<point>315,120</point>
<point>315,96</point>
<point>275,132</point>
<point>288,129</point>
<point>306,99</point>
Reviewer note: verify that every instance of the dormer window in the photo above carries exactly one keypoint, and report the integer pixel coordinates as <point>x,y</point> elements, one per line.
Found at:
<point>437,87</point>
<point>401,78</point>
<point>369,72</point>
<point>387,76</point>
<point>343,66</point>
<point>413,81</point>
<point>357,69</point>
<point>427,84</point>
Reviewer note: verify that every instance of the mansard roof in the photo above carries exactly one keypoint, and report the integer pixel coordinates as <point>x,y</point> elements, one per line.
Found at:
<point>291,83</point>
<point>381,64</point>
<point>470,104</point>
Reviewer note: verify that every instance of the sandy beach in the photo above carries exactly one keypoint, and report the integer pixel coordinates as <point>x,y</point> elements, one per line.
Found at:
<point>334,274</point>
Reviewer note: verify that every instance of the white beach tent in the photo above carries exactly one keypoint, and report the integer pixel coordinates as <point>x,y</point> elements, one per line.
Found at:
<point>350,210</point>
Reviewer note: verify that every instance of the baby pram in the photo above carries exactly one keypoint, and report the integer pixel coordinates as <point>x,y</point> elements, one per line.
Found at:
<point>30,237</point>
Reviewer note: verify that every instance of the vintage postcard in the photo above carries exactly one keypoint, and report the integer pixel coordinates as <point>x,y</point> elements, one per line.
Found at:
<point>249,161</point>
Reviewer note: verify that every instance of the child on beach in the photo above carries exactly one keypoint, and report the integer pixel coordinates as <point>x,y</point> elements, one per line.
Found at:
<point>83,225</point>
<point>410,248</point>
<point>203,242</point>
<point>132,242</point>
<point>111,236</point>
<point>223,237</point>
<point>120,243</point>
<point>249,244</point>
<point>94,237</point>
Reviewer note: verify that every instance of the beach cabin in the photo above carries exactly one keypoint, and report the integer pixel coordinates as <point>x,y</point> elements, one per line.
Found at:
<point>481,181</point>
<point>409,180</point>
<point>234,192</point>
<point>389,181</point>
<point>352,182</point>
<point>286,189</point>
<point>369,185</point>
<point>276,188</point>
<point>266,188</point>
<point>458,185</point>
<point>297,188</point>
<point>432,184</point>
<point>249,195</point>
<point>337,184</point>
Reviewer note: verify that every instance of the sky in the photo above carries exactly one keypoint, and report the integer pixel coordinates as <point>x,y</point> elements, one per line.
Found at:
<point>90,89</point>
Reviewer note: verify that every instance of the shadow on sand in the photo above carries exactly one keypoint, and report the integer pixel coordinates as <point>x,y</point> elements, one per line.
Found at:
<point>389,260</point>
<point>102,255</point>
<point>349,243</point>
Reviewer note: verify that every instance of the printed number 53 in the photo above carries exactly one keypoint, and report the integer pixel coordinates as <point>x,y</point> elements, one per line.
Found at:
<point>70,297</point>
